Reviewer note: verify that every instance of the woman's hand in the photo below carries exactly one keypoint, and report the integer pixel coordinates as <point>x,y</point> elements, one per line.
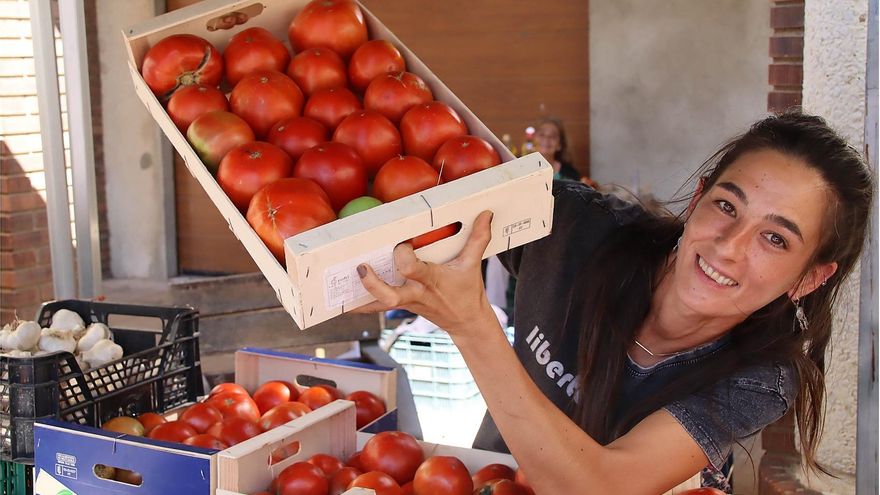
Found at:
<point>450,295</point>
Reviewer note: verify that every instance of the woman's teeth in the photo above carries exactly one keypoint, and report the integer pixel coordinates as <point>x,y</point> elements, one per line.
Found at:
<point>714,275</point>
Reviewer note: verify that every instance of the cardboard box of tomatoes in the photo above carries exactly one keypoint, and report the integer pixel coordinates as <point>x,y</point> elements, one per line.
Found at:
<point>306,253</point>
<point>66,454</point>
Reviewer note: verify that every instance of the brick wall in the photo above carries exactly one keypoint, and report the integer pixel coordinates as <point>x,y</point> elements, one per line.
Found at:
<point>786,49</point>
<point>777,471</point>
<point>25,263</point>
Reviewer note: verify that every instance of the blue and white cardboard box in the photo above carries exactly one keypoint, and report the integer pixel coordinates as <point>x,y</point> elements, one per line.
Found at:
<point>66,454</point>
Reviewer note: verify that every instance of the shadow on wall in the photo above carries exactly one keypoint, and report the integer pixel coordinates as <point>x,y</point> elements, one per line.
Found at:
<point>25,261</point>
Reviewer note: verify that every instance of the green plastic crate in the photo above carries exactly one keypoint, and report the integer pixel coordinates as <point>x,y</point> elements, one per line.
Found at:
<point>16,478</point>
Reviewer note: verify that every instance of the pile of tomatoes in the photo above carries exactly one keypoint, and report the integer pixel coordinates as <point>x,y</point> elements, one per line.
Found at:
<point>338,127</point>
<point>229,415</point>
<point>393,463</point>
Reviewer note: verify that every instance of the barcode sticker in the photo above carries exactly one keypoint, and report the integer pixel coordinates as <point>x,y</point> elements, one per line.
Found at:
<point>342,284</point>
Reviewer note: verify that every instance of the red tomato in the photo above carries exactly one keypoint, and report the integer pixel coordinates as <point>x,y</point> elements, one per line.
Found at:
<point>381,483</point>
<point>402,176</point>
<point>283,413</point>
<point>234,430</point>
<point>407,489</point>
<point>180,60</point>
<point>702,491</point>
<point>285,208</point>
<point>265,98</point>
<point>229,387</point>
<point>502,487</point>
<point>206,441</point>
<point>173,431</point>
<point>316,69</point>
<point>297,134</point>
<point>355,461</point>
<point>190,102</point>
<point>340,481</point>
<point>319,395</point>
<point>294,393</point>
<point>151,420</point>
<point>335,24</point>
<point>373,136</point>
<point>425,127</point>
<point>201,416</point>
<point>249,167</point>
<point>270,394</point>
<point>394,452</point>
<point>337,169</point>
<point>213,134</point>
<point>235,405</point>
<point>252,50</point>
<point>369,407</point>
<point>492,472</point>
<point>302,478</point>
<point>330,106</point>
<point>464,155</point>
<point>372,59</point>
<point>329,465</point>
<point>443,475</point>
<point>435,235</point>
<point>393,94</point>
<point>520,478</point>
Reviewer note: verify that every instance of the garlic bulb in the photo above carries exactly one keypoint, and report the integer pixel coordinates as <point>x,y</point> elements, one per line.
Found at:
<point>57,340</point>
<point>66,319</point>
<point>4,336</point>
<point>24,337</point>
<point>83,366</point>
<point>95,332</point>
<point>102,353</point>
<point>17,353</point>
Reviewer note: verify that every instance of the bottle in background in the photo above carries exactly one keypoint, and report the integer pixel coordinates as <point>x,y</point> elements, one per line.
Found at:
<point>508,142</point>
<point>528,145</point>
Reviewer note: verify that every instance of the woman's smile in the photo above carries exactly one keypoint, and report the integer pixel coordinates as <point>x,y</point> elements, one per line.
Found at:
<point>715,275</point>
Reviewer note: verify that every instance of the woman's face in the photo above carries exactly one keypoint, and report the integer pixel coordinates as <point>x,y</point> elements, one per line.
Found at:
<point>750,236</point>
<point>547,140</point>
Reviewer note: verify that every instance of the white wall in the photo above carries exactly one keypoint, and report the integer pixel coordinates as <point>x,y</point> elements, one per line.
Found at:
<point>834,87</point>
<point>135,208</point>
<point>669,83</point>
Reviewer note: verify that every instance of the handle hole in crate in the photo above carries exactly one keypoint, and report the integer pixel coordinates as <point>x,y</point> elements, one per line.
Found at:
<point>420,343</point>
<point>118,475</point>
<point>142,323</point>
<point>283,452</point>
<point>311,381</point>
<point>232,19</point>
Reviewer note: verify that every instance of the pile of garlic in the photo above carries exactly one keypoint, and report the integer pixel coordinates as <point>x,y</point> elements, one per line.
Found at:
<point>92,346</point>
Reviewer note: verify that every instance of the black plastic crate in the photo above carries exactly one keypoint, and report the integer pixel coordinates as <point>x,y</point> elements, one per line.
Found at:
<point>160,369</point>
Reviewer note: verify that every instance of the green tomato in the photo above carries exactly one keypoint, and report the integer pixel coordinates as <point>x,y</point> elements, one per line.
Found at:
<point>358,205</point>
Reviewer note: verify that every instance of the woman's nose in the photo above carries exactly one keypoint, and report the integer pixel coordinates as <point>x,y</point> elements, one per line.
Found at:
<point>732,241</point>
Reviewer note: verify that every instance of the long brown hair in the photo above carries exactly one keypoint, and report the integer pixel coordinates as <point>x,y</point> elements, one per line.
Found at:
<point>617,284</point>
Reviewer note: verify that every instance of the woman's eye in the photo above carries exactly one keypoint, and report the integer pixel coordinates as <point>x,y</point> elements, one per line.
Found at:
<point>726,207</point>
<point>776,239</point>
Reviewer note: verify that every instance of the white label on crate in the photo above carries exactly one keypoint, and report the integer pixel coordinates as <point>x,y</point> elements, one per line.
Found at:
<point>65,465</point>
<point>516,227</point>
<point>342,284</point>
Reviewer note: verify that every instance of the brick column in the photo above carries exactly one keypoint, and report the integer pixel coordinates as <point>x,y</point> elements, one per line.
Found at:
<point>780,462</point>
<point>786,72</point>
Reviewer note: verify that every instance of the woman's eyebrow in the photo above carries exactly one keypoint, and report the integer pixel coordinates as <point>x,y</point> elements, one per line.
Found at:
<point>786,224</point>
<point>735,190</point>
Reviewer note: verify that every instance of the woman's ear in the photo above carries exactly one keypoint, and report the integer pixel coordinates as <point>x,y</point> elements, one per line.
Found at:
<point>817,276</point>
<point>698,193</point>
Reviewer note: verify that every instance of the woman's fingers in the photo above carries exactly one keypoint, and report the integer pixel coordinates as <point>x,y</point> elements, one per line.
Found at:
<point>409,265</point>
<point>481,235</point>
<point>372,307</point>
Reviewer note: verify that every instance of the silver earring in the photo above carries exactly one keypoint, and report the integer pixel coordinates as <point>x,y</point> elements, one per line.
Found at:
<point>799,314</point>
<point>677,243</point>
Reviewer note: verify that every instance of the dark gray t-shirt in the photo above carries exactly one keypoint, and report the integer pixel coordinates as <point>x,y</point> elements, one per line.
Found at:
<point>546,342</point>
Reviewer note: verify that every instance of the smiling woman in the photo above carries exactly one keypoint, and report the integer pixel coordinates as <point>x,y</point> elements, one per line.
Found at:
<point>653,343</point>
